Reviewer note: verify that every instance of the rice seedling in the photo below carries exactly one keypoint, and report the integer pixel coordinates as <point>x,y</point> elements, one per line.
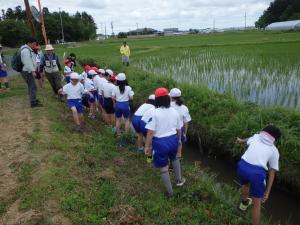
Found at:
<point>249,77</point>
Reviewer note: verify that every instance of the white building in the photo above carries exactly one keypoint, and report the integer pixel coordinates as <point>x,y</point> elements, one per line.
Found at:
<point>286,25</point>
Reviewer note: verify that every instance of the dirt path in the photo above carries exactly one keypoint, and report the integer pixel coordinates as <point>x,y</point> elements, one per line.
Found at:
<point>16,129</point>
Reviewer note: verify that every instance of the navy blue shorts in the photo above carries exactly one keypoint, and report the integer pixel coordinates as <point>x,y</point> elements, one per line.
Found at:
<point>101,100</point>
<point>109,106</point>
<point>68,79</point>
<point>122,109</point>
<point>75,103</point>
<point>253,175</point>
<point>164,149</point>
<point>143,128</point>
<point>91,98</point>
<point>3,73</point>
<point>136,121</point>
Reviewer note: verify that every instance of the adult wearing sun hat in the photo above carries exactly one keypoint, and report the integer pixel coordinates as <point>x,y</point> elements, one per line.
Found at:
<point>51,67</point>
<point>164,135</point>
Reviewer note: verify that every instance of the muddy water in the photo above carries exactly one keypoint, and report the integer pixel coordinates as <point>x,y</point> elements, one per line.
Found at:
<point>280,206</point>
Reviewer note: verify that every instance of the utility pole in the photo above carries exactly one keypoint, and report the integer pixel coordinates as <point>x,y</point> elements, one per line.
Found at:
<point>29,17</point>
<point>43,23</point>
<point>214,23</point>
<point>62,27</point>
<point>105,30</point>
<point>112,28</point>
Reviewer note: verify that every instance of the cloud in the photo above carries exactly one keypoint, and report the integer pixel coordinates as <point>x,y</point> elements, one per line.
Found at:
<point>158,14</point>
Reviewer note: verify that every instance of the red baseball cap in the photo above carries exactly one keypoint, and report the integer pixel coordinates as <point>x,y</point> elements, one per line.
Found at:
<point>159,92</point>
<point>94,68</point>
<point>67,61</point>
<point>87,67</point>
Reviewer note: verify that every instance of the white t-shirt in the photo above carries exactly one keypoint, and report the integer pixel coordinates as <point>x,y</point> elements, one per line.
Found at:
<point>89,84</point>
<point>183,111</point>
<point>67,70</point>
<point>148,114</point>
<point>262,152</point>
<point>143,108</point>
<point>108,89</point>
<point>128,93</point>
<point>73,91</point>
<point>164,122</point>
<point>98,83</point>
<point>84,75</point>
<point>38,57</point>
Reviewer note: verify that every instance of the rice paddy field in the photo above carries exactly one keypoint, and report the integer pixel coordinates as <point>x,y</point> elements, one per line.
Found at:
<point>234,83</point>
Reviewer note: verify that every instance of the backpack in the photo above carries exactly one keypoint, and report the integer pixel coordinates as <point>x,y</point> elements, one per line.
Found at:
<point>16,62</point>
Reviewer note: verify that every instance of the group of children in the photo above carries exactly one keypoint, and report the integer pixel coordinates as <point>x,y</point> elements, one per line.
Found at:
<point>161,124</point>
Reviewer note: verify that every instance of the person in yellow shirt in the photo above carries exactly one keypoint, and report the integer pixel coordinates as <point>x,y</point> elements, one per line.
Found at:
<point>125,52</point>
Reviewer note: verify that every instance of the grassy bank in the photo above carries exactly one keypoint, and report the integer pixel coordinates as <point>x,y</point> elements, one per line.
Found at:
<point>217,118</point>
<point>72,178</point>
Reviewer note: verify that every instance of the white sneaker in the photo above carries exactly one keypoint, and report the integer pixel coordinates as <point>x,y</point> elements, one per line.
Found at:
<point>181,183</point>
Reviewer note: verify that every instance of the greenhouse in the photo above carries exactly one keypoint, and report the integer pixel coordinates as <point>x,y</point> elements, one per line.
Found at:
<point>286,25</point>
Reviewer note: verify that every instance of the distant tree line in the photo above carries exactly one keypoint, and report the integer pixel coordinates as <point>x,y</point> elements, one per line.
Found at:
<point>280,10</point>
<point>14,28</point>
<point>143,31</point>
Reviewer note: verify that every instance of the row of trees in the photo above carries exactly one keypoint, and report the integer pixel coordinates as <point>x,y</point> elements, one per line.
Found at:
<point>14,29</point>
<point>280,10</point>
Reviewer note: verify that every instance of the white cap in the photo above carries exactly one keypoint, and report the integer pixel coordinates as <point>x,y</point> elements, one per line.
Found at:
<point>102,71</point>
<point>175,92</point>
<point>49,48</point>
<point>151,97</point>
<point>74,76</point>
<point>121,77</point>
<point>92,72</point>
<point>80,77</point>
<point>110,72</point>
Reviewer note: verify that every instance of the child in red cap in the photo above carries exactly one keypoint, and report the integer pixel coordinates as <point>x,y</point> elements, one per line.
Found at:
<point>164,135</point>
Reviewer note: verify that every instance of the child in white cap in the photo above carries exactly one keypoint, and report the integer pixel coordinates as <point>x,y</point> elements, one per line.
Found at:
<point>137,117</point>
<point>91,93</point>
<point>74,91</point>
<point>185,117</point>
<point>122,93</point>
<point>108,87</point>
<point>99,80</point>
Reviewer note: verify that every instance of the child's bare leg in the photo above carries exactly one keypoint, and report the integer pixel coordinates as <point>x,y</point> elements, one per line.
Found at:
<point>118,125</point>
<point>75,115</point>
<point>127,125</point>
<point>179,153</point>
<point>140,140</point>
<point>111,119</point>
<point>245,192</point>
<point>93,108</point>
<point>81,119</point>
<point>256,210</point>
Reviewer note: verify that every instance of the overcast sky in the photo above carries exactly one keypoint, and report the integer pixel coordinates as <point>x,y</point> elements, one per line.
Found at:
<point>158,14</point>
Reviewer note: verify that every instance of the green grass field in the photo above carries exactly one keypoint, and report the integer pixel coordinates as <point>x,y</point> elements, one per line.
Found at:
<point>88,179</point>
<point>269,62</point>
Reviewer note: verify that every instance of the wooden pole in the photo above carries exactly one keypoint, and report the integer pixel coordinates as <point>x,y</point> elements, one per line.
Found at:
<point>29,17</point>
<point>43,23</point>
